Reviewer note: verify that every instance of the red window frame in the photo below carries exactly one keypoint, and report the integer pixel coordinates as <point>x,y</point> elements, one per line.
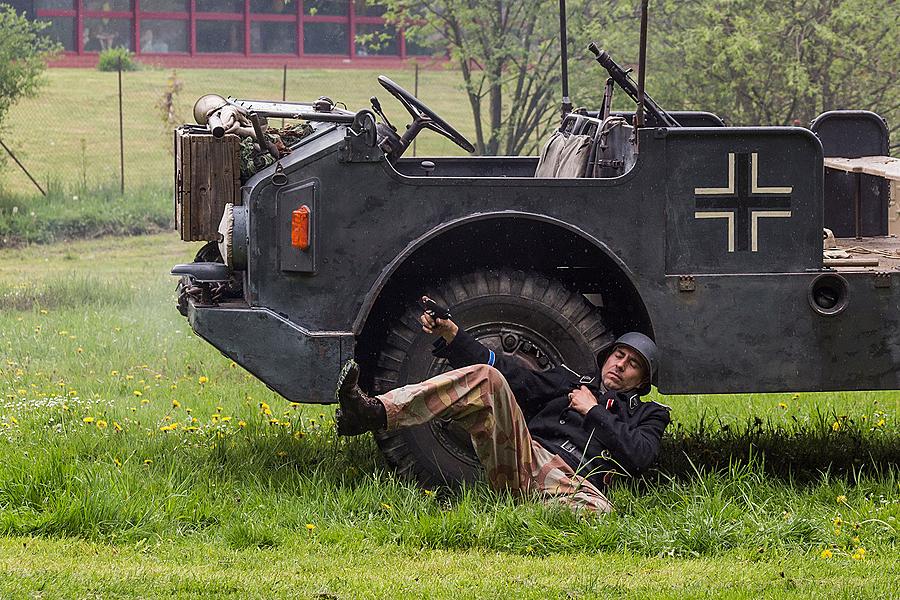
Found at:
<point>192,16</point>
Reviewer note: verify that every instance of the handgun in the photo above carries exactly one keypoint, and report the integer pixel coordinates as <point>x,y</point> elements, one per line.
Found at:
<point>433,309</point>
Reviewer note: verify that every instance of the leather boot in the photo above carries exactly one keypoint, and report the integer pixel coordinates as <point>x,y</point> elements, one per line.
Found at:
<point>358,413</point>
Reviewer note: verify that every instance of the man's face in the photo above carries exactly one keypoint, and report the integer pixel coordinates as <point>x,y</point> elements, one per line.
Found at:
<point>623,370</point>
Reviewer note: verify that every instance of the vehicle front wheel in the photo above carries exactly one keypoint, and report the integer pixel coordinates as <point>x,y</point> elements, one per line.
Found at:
<point>528,316</point>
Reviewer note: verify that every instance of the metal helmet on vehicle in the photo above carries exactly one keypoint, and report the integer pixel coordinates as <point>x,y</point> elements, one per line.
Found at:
<point>647,350</point>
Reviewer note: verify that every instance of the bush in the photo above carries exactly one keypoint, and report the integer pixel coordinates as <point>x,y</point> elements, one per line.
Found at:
<point>111,58</point>
<point>24,52</point>
<point>84,213</point>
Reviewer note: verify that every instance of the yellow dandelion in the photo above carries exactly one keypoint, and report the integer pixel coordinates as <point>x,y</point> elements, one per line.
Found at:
<point>157,376</point>
<point>138,393</point>
<point>22,391</point>
<point>44,311</point>
<point>219,409</point>
<point>835,426</point>
<point>298,434</point>
<point>429,492</point>
<point>13,420</point>
<point>855,540</point>
<point>225,418</point>
<point>79,349</point>
<point>273,421</point>
<point>176,403</point>
<point>310,526</point>
<point>782,405</point>
<point>842,499</point>
<point>147,461</point>
<point>859,554</point>
<point>203,379</point>
<point>144,401</point>
<point>837,521</point>
<point>232,365</point>
<point>101,424</point>
<point>880,423</point>
<point>385,506</point>
<point>826,553</point>
<point>116,426</point>
<point>113,373</point>
<point>129,377</point>
<point>281,454</point>
<point>242,424</point>
<point>167,418</point>
<point>88,419</point>
<point>117,462</point>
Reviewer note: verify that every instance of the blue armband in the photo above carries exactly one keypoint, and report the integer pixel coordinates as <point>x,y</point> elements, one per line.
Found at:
<point>491,358</point>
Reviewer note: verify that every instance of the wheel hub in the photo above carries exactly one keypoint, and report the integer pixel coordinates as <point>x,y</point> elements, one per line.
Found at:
<point>510,340</point>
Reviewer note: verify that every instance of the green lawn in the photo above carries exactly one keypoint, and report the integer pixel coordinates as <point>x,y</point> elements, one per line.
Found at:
<point>137,461</point>
<point>69,133</point>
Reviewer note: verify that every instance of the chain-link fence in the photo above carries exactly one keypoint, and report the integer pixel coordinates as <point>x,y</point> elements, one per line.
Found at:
<point>68,135</point>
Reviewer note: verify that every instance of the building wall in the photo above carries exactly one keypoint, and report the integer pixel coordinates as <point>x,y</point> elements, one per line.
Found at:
<point>206,32</point>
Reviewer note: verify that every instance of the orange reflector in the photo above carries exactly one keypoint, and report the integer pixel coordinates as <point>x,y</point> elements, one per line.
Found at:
<point>300,228</point>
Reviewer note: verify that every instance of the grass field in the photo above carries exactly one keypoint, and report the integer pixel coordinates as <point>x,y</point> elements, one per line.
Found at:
<point>68,135</point>
<point>137,461</point>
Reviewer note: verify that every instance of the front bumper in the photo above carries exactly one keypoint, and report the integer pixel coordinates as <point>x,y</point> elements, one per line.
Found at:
<point>299,364</point>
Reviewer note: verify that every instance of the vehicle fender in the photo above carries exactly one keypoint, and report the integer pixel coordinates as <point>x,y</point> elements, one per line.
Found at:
<point>418,243</point>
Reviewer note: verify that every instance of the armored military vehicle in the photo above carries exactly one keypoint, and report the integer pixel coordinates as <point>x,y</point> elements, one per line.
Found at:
<point>705,237</point>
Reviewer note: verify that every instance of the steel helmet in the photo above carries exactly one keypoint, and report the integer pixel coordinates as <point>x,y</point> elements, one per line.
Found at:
<point>647,350</point>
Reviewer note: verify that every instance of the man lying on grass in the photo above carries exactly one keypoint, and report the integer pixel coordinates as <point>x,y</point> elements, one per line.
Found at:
<point>581,430</point>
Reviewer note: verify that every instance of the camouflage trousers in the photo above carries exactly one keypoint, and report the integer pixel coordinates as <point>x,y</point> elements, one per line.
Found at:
<point>479,399</point>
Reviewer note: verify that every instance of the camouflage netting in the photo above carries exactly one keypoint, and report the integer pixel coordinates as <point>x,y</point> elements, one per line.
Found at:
<point>253,160</point>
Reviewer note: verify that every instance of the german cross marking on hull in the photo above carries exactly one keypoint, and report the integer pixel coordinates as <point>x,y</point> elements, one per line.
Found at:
<point>743,202</point>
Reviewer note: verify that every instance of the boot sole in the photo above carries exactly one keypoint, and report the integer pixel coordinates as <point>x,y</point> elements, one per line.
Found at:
<point>339,394</point>
<point>343,388</point>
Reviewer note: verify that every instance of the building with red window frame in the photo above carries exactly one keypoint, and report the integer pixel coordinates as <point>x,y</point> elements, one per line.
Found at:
<point>234,33</point>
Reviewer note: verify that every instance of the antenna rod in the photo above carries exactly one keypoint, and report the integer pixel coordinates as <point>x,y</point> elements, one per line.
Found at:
<point>642,66</point>
<point>564,56</point>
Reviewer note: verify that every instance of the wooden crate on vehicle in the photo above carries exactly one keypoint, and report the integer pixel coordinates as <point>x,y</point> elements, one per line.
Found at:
<point>207,177</point>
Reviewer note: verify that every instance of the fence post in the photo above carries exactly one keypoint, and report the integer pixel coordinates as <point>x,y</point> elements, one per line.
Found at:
<point>283,89</point>
<point>121,135</point>
<point>21,166</point>
<point>416,94</point>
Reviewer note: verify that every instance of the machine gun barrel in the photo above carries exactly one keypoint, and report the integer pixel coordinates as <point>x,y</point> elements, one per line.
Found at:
<point>620,76</point>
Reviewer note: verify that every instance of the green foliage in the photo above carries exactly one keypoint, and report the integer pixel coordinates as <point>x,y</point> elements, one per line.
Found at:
<point>759,63</point>
<point>23,56</point>
<point>508,53</point>
<point>114,59</point>
<point>84,213</point>
<point>776,64</point>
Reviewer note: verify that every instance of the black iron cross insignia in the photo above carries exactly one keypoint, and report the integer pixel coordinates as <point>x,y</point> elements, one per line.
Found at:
<point>744,201</point>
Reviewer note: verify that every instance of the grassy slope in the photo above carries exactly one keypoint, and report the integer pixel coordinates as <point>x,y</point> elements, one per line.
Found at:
<point>69,131</point>
<point>237,499</point>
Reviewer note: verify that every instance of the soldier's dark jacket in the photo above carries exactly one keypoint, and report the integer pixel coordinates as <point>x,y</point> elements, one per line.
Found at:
<point>620,435</point>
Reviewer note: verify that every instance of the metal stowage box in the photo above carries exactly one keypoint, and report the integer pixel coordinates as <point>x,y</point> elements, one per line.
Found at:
<point>207,176</point>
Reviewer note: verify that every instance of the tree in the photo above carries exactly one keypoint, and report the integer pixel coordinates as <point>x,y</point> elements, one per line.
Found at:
<point>23,57</point>
<point>771,62</point>
<point>508,52</point>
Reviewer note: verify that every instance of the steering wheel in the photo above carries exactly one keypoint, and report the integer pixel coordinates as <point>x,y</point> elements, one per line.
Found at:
<point>423,117</point>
